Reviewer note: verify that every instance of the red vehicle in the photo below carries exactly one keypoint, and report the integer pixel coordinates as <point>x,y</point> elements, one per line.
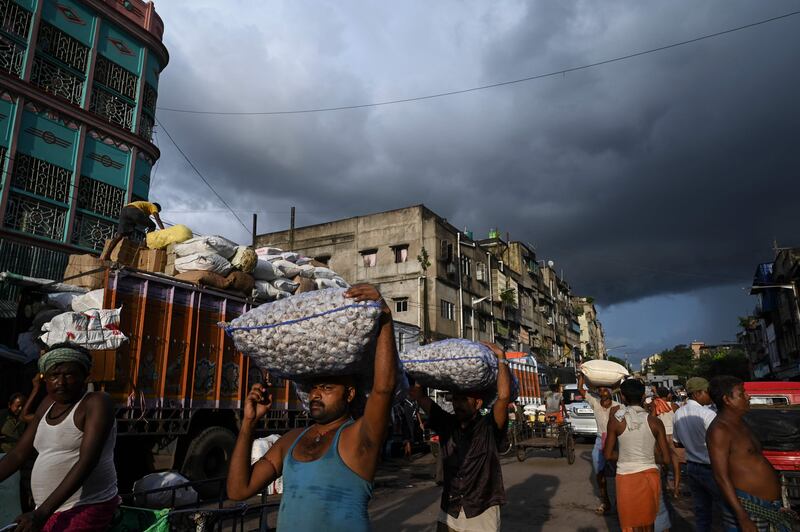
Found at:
<point>775,419</point>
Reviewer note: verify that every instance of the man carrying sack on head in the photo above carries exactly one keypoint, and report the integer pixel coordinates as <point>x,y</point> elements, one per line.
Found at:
<point>133,215</point>
<point>74,482</point>
<point>473,482</point>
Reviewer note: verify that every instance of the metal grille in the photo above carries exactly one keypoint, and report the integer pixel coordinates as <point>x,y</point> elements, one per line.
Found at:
<point>11,56</point>
<point>99,197</point>
<point>27,259</point>
<point>146,127</point>
<point>149,97</point>
<point>41,178</point>
<point>113,108</point>
<point>15,19</point>
<point>61,46</point>
<point>91,232</point>
<point>56,80</point>
<point>115,77</point>
<point>35,217</point>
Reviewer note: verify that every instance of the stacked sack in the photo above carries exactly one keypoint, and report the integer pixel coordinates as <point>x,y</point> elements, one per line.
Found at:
<point>216,262</point>
<point>280,274</point>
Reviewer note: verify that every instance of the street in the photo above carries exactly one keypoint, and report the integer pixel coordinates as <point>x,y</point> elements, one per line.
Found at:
<point>543,493</point>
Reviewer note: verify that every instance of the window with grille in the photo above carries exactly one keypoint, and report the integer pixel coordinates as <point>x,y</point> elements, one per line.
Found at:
<point>401,304</point>
<point>59,66</point>
<point>15,21</point>
<point>447,310</point>
<point>114,93</point>
<point>466,267</point>
<point>400,253</point>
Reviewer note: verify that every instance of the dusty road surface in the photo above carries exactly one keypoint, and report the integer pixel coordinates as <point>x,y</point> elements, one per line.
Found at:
<point>544,494</point>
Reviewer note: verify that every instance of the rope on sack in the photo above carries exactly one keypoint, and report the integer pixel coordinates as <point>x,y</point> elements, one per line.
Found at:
<point>229,329</point>
<point>421,361</point>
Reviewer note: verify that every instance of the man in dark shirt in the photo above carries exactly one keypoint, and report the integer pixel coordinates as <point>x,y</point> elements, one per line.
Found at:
<point>473,481</point>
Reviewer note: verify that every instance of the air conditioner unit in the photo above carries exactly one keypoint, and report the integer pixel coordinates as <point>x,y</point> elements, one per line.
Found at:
<point>480,272</point>
<point>549,321</point>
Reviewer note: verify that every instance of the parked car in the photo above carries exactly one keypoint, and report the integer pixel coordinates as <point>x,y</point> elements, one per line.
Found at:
<point>579,414</point>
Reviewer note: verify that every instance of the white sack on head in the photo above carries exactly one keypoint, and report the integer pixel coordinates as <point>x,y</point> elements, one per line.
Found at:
<point>603,372</point>
<point>206,245</point>
<point>89,301</point>
<point>265,271</point>
<point>317,333</point>
<point>203,262</point>
<point>454,364</point>
<point>95,329</point>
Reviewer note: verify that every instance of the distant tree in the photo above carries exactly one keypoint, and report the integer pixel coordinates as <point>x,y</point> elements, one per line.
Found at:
<point>676,361</point>
<point>723,362</point>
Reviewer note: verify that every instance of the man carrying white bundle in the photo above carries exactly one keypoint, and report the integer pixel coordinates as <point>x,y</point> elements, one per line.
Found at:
<point>327,468</point>
<point>473,482</point>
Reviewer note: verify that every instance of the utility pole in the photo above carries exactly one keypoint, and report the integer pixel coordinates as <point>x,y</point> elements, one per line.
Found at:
<point>291,231</point>
<point>255,228</point>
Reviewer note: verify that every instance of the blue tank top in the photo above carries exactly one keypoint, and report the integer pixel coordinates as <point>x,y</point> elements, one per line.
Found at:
<point>323,494</point>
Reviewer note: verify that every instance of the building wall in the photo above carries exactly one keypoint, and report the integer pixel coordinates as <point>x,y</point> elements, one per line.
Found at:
<point>78,91</point>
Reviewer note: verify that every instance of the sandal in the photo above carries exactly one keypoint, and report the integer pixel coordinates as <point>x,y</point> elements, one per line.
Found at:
<point>603,509</point>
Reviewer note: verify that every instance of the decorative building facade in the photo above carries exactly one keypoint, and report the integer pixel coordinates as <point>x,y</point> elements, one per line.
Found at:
<point>78,91</point>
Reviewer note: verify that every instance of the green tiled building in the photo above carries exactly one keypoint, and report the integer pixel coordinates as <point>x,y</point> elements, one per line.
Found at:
<point>78,91</point>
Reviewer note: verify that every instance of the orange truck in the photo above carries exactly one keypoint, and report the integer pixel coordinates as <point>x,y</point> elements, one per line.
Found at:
<point>525,370</point>
<point>178,382</point>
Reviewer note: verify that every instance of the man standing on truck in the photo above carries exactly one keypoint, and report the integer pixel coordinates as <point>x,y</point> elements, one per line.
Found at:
<point>689,431</point>
<point>133,215</point>
<point>601,407</point>
<point>74,482</point>
<point>473,481</point>
<point>328,468</point>
<point>747,481</point>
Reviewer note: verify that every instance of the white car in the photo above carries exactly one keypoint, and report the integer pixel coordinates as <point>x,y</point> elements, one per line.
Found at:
<point>579,414</point>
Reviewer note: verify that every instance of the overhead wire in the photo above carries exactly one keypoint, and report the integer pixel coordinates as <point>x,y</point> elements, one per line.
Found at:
<point>560,72</point>
<point>192,165</point>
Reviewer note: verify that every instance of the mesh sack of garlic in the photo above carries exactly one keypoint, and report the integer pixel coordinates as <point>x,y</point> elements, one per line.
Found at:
<point>315,333</point>
<point>454,365</point>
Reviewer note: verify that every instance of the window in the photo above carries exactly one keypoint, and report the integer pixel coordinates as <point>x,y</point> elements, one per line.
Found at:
<point>447,310</point>
<point>480,272</point>
<point>446,251</point>
<point>466,267</point>
<point>324,259</point>
<point>481,324</point>
<point>370,257</point>
<point>401,304</point>
<point>466,317</point>
<point>400,253</point>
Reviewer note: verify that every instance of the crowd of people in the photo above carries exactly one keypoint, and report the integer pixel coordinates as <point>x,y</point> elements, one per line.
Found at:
<point>329,467</point>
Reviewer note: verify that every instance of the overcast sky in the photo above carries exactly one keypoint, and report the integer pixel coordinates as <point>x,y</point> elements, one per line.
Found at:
<point>656,183</point>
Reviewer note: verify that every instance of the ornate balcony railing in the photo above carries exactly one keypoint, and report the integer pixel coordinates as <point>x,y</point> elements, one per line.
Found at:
<point>35,217</point>
<point>115,77</point>
<point>91,232</point>
<point>146,127</point>
<point>14,19</point>
<point>56,80</point>
<point>58,45</point>
<point>111,107</point>
<point>11,56</point>
<point>41,178</point>
<point>99,197</point>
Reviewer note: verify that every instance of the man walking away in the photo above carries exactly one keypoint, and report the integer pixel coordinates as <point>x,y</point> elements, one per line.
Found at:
<point>663,409</point>
<point>473,482</point>
<point>74,482</point>
<point>642,444</point>
<point>327,468</point>
<point>133,215</point>
<point>748,483</point>
<point>601,406</point>
<point>689,430</point>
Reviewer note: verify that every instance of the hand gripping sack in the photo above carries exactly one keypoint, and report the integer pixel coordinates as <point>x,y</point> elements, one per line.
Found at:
<point>455,365</point>
<point>319,333</point>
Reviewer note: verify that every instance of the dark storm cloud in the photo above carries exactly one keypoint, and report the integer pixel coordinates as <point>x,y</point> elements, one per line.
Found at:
<point>662,174</point>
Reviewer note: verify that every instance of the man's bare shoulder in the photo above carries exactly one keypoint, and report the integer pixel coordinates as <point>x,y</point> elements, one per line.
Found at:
<point>719,428</point>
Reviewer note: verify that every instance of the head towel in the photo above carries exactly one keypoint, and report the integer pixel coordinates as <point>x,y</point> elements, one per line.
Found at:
<point>64,354</point>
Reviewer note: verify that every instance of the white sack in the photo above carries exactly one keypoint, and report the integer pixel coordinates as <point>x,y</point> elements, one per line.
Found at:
<point>307,271</point>
<point>303,260</point>
<point>285,285</point>
<point>286,268</point>
<point>307,335</point>
<point>341,282</point>
<point>603,372</point>
<point>454,364</point>
<point>261,446</point>
<point>209,262</point>
<point>206,245</point>
<point>89,301</point>
<point>264,290</point>
<point>265,271</point>
<point>321,272</point>
<point>183,496</point>
<point>322,284</point>
<point>62,300</point>
<point>290,256</point>
<point>95,329</point>
<point>265,251</point>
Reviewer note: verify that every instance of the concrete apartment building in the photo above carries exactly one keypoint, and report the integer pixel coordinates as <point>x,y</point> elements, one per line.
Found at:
<point>482,290</point>
<point>593,344</point>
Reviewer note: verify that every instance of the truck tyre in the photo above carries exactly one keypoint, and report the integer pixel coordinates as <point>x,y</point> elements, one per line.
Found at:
<point>207,457</point>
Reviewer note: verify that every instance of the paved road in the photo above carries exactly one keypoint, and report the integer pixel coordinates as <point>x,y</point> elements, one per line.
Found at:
<point>544,494</point>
